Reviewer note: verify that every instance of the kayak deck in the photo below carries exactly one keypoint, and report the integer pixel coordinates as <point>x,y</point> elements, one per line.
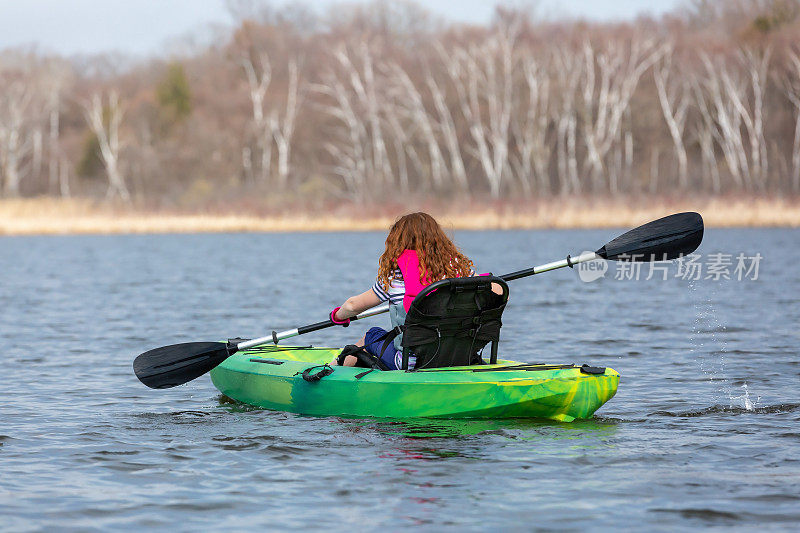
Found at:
<point>270,376</point>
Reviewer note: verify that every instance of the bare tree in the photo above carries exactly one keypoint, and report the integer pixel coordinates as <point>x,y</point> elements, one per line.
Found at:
<point>751,108</point>
<point>674,98</point>
<point>30,88</point>
<point>705,131</point>
<point>410,101</point>
<point>402,146</point>
<point>283,128</point>
<point>407,118</point>
<point>448,128</point>
<point>259,75</point>
<point>105,121</point>
<point>361,155</point>
<point>15,136</point>
<point>610,79</point>
<point>722,119</point>
<point>737,100</point>
<point>374,100</point>
<point>569,68</point>
<point>529,126</point>
<point>482,77</point>
<point>348,153</point>
<point>63,178</point>
<point>363,84</point>
<point>790,83</point>
<point>58,78</point>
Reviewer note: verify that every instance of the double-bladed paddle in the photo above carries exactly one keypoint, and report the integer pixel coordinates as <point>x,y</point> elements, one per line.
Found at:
<point>661,240</point>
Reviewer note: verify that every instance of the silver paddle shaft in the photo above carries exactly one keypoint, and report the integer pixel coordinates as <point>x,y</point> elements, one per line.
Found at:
<point>569,261</point>
<point>275,337</point>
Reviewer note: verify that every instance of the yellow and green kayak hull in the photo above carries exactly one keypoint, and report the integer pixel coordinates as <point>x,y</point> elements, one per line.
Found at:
<point>271,377</point>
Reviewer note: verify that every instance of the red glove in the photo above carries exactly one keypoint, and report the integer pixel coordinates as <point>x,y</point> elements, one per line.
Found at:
<point>344,323</point>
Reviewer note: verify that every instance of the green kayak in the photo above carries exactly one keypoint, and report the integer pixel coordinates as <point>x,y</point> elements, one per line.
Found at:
<point>271,376</point>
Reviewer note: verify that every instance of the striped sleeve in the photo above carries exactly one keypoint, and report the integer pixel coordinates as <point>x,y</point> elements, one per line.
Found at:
<point>379,291</point>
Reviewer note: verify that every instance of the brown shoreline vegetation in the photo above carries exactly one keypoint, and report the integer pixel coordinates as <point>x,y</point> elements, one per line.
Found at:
<point>47,216</point>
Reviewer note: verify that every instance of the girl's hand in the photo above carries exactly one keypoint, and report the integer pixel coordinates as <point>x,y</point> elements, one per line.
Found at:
<point>344,323</point>
<point>353,306</point>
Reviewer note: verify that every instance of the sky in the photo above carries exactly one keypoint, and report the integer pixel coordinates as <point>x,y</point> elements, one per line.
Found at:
<point>144,27</point>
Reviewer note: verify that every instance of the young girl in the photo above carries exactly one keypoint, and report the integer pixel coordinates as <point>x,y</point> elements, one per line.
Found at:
<point>417,254</point>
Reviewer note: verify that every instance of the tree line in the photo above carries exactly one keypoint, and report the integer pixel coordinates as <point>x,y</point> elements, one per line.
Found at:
<point>382,100</point>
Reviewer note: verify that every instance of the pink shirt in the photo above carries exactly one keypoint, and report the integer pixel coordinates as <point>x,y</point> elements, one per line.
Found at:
<point>412,276</point>
<point>406,282</point>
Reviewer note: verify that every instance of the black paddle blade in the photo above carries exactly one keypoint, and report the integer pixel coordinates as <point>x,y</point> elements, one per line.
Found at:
<point>177,364</point>
<point>660,240</point>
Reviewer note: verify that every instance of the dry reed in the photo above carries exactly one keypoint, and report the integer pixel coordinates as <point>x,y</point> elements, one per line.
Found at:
<point>58,217</point>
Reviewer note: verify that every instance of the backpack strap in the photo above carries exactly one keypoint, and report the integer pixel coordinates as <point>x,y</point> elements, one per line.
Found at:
<point>366,359</point>
<point>389,336</point>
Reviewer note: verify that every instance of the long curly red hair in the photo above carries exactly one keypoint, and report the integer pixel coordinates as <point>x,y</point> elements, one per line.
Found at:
<point>439,258</point>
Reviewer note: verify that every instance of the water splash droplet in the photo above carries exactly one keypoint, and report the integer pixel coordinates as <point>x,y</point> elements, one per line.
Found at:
<point>744,401</point>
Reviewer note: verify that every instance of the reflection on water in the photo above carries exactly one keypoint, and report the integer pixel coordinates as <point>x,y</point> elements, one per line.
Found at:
<point>442,428</point>
<point>426,428</point>
<point>233,406</point>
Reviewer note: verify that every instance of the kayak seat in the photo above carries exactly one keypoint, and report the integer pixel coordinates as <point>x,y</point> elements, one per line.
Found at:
<point>450,322</point>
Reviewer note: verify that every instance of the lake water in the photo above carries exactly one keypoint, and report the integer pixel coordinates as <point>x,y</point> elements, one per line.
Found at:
<point>704,431</point>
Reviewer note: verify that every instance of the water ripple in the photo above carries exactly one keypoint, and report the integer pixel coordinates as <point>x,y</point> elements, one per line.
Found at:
<point>731,410</point>
<point>703,432</point>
